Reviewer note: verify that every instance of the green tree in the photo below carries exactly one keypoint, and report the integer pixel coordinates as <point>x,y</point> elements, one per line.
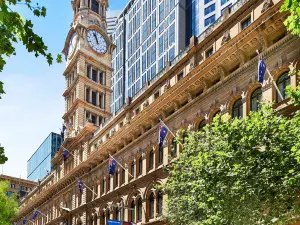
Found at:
<point>14,28</point>
<point>3,158</point>
<point>293,25</point>
<point>8,205</point>
<point>239,172</point>
<point>293,20</point>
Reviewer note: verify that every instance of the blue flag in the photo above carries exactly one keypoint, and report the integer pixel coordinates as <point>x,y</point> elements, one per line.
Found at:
<point>112,166</point>
<point>24,221</point>
<point>63,132</point>
<point>113,222</point>
<point>80,186</point>
<point>35,214</point>
<point>65,154</point>
<point>261,70</point>
<point>163,131</point>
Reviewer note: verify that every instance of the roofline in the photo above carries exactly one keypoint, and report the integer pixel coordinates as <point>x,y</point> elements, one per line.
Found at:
<point>2,176</point>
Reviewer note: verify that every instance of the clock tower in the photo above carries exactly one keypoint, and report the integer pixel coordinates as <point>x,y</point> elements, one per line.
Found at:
<point>88,70</point>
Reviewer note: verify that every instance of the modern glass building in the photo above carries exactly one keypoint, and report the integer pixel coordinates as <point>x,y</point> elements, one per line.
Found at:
<point>40,162</point>
<point>200,14</point>
<point>149,33</point>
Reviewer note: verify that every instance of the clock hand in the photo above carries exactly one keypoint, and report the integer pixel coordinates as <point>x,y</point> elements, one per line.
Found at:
<point>96,38</point>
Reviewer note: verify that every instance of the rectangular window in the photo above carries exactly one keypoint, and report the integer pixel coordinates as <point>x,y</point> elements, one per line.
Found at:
<point>172,16</point>
<point>144,62</point>
<point>207,1</point>
<point>144,12</point>
<point>224,2</point>
<point>227,7</point>
<point>179,76</point>
<point>148,58</point>
<point>209,52</point>
<point>172,33</point>
<point>153,71</point>
<point>161,63</point>
<point>210,9</point>
<point>161,45</point>
<point>153,25</point>
<point>153,53</point>
<point>94,75</point>
<point>246,23</point>
<point>161,12</point>
<point>172,4</point>
<point>166,40</point>
<point>172,53</point>
<point>94,98</point>
<point>210,20</point>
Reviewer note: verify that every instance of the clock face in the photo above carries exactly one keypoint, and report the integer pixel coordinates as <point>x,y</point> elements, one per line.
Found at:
<point>97,41</point>
<point>72,44</point>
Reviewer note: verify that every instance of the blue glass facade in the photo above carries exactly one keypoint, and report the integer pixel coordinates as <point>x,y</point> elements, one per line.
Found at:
<point>40,161</point>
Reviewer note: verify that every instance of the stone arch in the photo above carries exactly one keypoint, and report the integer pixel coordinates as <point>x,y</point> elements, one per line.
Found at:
<point>232,101</point>
<point>249,92</point>
<point>213,113</point>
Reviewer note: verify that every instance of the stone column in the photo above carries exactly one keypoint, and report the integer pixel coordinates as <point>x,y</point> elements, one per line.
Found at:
<point>245,111</point>
<point>85,150</point>
<point>73,200</point>
<point>144,216</point>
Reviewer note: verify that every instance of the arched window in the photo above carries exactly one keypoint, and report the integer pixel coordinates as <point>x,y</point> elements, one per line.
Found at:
<point>103,186</point>
<point>117,178</point>
<point>201,125</point>
<point>160,203</point>
<point>256,98</point>
<point>216,114</point>
<point>95,6</point>
<point>237,109</point>
<point>174,148</point>
<point>151,159</point>
<point>140,209</point>
<point>160,155</point>
<point>282,82</point>
<point>151,205</point>
<point>132,211</point>
<point>140,165</point>
<point>132,169</point>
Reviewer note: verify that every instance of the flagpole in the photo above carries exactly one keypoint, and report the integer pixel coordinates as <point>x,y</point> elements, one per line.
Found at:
<point>169,131</point>
<point>89,188</point>
<point>42,214</point>
<point>120,164</point>
<point>270,75</point>
<point>72,154</point>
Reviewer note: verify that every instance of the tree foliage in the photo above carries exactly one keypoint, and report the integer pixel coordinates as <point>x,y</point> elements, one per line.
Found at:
<point>3,158</point>
<point>8,205</point>
<point>239,172</point>
<point>293,21</point>
<point>14,28</point>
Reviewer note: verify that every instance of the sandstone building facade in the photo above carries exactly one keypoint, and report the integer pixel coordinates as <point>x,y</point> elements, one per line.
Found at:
<point>17,186</point>
<point>217,73</point>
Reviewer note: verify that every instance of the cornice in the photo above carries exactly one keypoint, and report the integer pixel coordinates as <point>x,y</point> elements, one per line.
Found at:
<point>78,102</point>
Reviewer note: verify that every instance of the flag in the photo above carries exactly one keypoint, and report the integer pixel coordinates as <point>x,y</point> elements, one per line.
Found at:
<point>113,222</point>
<point>163,131</point>
<point>80,186</point>
<point>261,70</point>
<point>65,154</point>
<point>35,214</point>
<point>63,132</point>
<point>24,221</point>
<point>112,166</point>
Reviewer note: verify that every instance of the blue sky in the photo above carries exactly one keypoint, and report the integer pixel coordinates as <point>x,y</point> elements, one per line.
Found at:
<point>33,104</point>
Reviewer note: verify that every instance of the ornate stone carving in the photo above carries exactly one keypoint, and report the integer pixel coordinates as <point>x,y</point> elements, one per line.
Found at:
<point>191,127</point>
<point>167,86</point>
<point>146,103</point>
<point>226,37</point>
<point>267,4</point>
